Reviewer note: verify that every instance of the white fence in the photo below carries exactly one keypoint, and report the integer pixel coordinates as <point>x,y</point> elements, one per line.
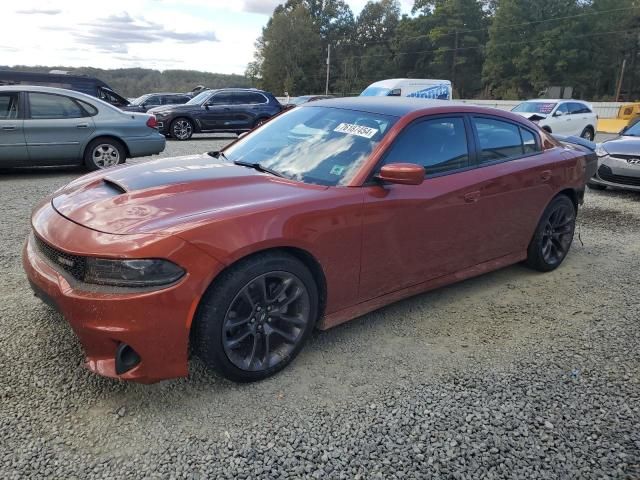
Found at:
<point>602,109</point>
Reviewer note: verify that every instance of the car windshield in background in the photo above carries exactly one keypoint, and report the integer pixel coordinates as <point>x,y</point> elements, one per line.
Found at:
<point>140,100</point>
<point>200,98</point>
<point>633,130</point>
<point>375,92</point>
<point>544,108</point>
<point>320,145</point>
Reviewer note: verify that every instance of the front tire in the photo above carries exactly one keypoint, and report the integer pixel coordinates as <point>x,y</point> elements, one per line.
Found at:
<point>181,129</point>
<point>553,236</point>
<point>256,317</point>
<point>104,153</point>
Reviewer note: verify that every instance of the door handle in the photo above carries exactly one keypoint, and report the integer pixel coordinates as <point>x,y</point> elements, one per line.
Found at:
<point>82,125</point>
<point>9,127</point>
<point>545,175</point>
<point>471,197</point>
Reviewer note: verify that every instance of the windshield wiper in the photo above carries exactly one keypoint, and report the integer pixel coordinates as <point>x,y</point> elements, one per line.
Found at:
<point>258,167</point>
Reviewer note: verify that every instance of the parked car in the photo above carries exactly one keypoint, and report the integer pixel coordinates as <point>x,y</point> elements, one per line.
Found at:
<point>80,83</point>
<point>52,126</point>
<point>619,161</point>
<point>294,102</point>
<point>410,87</point>
<point>153,100</point>
<point>233,110</point>
<point>563,117</point>
<point>327,212</point>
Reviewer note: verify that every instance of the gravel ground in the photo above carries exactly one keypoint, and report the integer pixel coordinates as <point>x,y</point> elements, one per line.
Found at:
<point>514,374</point>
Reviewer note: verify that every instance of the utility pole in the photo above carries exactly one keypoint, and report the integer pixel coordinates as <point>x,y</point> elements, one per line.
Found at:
<point>624,64</point>
<point>326,88</point>
<point>455,59</point>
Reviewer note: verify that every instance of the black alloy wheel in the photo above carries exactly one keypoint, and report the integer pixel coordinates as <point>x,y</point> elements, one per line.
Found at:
<point>553,236</point>
<point>256,316</point>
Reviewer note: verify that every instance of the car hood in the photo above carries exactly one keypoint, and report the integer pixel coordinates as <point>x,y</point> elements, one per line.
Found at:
<point>533,116</point>
<point>623,145</point>
<point>172,194</point>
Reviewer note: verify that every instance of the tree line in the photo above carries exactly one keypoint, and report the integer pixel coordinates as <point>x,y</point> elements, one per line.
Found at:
<point>500,49</point>
<point>133,82</point>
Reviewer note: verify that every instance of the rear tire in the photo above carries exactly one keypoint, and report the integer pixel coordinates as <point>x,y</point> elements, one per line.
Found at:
<point>104,153</point>
<point>588,134</point>
<point>553,236</point>
<point>256,317</point>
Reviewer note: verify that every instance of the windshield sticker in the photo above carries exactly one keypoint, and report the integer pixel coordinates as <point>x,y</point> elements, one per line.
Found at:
<point>337,170</point>
<point>546,108</point>
<point>358,130</point>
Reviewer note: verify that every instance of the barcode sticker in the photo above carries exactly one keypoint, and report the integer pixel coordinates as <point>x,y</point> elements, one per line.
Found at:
<point>358,130</point>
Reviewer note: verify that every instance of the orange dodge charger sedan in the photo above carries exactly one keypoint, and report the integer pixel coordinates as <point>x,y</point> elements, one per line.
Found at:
<point>324,213</point>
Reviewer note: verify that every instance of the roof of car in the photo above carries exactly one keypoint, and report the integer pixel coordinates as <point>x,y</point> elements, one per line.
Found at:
<point>43,89</point>
<point>549,100</point>
<point>396,106</point>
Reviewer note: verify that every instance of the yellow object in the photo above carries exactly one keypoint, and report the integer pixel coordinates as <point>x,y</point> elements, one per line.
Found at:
<point>611,125</point>
<point>629,111</point>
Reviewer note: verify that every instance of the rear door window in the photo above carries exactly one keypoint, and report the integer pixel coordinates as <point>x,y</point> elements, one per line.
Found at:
<point>499,140</point>
<point>9,106</point>
<point>47,106</point>
<point>255,98</point>
<point>578,108</point>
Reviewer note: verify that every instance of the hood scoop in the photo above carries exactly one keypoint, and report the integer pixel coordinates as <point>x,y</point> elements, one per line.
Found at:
<point>115,186</point>
<point>170,171</point>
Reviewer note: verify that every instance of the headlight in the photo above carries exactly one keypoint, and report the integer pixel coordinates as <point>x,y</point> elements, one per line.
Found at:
<point>131,273</point>
<point>161,114</point>
<point>600,151</point>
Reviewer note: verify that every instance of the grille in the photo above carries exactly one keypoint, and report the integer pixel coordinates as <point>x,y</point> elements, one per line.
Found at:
<point>607,175</point>
<point>625,157</point>
<point>72,264</point>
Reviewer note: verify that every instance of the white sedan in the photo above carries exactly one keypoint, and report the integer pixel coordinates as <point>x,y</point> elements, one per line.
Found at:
<point>563,117</point>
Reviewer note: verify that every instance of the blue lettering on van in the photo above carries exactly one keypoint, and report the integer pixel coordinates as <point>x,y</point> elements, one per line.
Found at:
<point>439,92</point>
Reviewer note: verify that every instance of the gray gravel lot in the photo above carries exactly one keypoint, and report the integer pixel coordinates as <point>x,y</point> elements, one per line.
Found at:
<point>514,374</point>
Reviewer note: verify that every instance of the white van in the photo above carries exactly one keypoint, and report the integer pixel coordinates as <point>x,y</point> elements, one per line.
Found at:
<point>410,87</point>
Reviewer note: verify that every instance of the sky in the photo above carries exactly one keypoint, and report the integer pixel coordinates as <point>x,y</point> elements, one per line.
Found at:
<point>208,35</point>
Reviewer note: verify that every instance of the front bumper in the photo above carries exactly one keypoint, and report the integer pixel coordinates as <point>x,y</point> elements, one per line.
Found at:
<point>617,172</point>
<point>155,323</point>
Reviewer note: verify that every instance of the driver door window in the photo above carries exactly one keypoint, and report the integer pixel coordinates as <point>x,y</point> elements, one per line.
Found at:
<point>220,99</point>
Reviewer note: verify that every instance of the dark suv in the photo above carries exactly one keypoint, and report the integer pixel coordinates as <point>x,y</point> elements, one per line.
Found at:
<point>153,100</point>
<point>234,110</point>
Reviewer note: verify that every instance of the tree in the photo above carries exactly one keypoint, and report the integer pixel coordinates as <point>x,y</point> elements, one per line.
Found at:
<point>457,32</point>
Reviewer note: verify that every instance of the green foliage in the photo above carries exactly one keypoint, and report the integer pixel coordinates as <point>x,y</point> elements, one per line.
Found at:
<point>133,82</point>
<point>487,48</point>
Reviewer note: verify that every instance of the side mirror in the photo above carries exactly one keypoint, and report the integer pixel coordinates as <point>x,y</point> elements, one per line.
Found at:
<point>402,173</point>
<point>559,113</point>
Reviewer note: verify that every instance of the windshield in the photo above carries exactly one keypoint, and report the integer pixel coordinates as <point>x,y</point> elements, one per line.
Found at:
<point>633,130</point>
<point>140,100</point>
<point>375,92</point>
<point>200,98</point>
<point>535,107</point>
<point>320,145</point>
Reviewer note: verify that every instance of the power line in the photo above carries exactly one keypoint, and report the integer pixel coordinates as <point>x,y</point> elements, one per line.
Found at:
<point>444,50</point>
<point>512,25</point>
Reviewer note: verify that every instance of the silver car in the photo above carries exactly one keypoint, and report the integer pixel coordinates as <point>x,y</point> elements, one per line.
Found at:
<point>619,161</point>
<point>53,126</point>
